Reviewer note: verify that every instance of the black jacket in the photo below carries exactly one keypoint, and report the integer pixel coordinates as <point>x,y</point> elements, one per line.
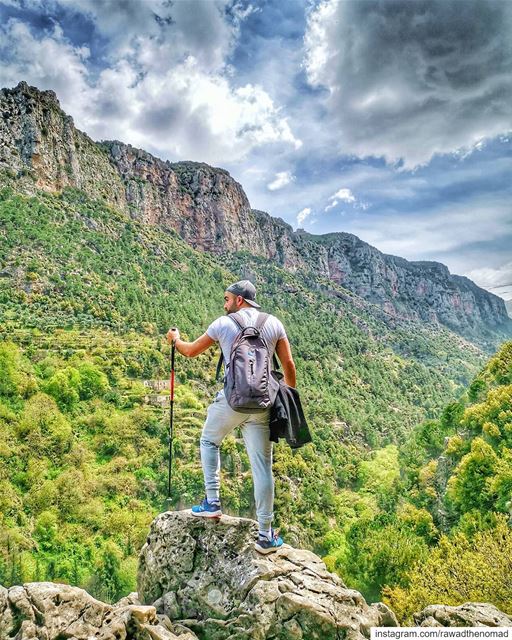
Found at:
<point>287,417</point>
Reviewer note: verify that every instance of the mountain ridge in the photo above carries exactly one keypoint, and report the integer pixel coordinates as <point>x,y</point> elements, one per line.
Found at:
<point>210,210</point>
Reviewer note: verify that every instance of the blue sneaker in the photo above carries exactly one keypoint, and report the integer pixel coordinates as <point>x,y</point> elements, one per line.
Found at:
<point>264,545</point>
<point>207,509</point>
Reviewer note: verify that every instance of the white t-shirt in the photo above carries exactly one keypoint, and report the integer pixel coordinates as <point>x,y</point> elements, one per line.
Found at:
<point>224,330</point>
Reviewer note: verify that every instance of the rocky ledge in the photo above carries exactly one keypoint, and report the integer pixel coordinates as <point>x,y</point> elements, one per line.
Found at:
<point>203,580</point>
<point>49,611</point>
<point>208,575</point>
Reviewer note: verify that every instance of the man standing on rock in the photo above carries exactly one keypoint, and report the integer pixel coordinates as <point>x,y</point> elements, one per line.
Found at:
<point>221,419</point>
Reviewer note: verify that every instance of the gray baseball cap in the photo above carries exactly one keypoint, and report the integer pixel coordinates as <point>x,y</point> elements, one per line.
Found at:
<point>247,290</point>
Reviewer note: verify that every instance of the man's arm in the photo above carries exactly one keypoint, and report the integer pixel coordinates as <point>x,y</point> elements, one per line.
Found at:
<point>284,353</point>
<point>190,349</point>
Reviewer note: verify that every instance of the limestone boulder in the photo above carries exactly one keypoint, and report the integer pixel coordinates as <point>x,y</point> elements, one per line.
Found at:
<point>50,611</point>
<point>470,614</point>
<point>207,575</point>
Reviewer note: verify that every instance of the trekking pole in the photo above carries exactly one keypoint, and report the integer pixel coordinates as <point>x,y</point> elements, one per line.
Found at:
<point>171,414</point>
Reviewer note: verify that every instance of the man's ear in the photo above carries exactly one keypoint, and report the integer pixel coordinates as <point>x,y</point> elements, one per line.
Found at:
<point>239,301</point>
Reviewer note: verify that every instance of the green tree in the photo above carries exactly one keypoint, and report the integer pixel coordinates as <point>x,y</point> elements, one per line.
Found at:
<point>16,378</point>
<point>470,486</point>
<point>107,582</point>
<point>64,387</point>
<point>380,554</point>
<point>93,382</point>
<point>459,570</point>
<point>43,428</point>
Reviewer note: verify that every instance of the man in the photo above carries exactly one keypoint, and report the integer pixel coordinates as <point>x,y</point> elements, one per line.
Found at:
<point>222,419</point>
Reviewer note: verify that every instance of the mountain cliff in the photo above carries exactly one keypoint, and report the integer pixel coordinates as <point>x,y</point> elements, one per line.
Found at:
<point>40,146</point>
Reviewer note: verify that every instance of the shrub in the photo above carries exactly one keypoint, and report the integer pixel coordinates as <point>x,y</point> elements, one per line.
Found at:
<point>43,428</point>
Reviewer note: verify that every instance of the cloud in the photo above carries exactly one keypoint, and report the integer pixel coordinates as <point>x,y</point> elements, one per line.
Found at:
<point>498,280</point>
<point>447,231</point>
<point>158,31</point>
<point>51,61</point>
<point>282,178</point>
<point>345,195</point>
<point>166,86</point>
<point>188,113</point>
<point>408,80</point>
<point>302,215</point>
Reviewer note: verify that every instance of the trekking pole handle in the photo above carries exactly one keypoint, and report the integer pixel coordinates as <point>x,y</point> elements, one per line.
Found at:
<point>174,339</point>
<point>173,351</point>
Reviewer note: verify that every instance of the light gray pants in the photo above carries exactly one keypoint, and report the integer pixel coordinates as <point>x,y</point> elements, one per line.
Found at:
<point>220,421</point>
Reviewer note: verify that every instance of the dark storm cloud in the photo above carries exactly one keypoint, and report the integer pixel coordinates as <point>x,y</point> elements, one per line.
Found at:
<point>409,79</point>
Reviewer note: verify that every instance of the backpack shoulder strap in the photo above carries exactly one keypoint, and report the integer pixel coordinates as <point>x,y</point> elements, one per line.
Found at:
<point>237,319</point>
<point>262,318</point>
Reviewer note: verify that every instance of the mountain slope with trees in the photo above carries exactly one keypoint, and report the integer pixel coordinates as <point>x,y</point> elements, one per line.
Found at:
<point>439,527</point>
<point>86,296</point>
<point>41,148</point>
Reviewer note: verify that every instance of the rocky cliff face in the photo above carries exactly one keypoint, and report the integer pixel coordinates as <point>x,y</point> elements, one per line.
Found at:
<point>40,145</point>
<point>204,205</point>
<point>210,210</point>
<point>417,290</point>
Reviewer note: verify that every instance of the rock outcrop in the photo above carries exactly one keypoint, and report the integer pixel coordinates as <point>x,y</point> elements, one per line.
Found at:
<point>203,580</point>
<point>415,290</point>
<point>40,145</point>
<point>49,611</point>
<point>208,576</point>
<point>204,205</point>
<point>470,614</point>
<point>209,209</point>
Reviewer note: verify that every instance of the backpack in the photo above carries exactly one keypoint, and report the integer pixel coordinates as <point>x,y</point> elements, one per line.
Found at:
<point>249,386</point>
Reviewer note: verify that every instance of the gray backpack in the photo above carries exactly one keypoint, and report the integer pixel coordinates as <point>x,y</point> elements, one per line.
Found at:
<point>249,385</point>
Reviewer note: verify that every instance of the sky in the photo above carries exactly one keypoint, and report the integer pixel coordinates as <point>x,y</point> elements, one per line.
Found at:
<point>388,119</point>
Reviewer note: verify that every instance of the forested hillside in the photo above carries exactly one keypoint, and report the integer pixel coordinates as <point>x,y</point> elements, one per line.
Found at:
<point>86,296</point>
<point>442,506</point>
